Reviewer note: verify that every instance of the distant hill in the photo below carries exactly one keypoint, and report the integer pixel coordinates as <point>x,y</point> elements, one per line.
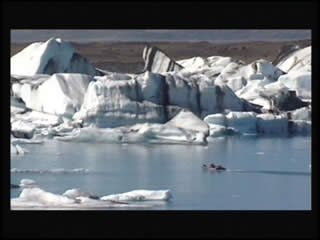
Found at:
<point>19,36</point>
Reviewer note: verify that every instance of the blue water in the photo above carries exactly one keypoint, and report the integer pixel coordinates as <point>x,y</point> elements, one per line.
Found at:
<point>265,173</point>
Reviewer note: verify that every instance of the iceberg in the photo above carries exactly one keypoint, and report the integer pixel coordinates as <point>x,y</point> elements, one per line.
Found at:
<point>138,133</point>
<point>187,120</point>
<point>20,129</point>
<point>296,60</point>
<point>139,195</point>
<point>157,61</point>
<point>52,56</point>
<point>75,193</point>
<point>27,183</point>
<point>38,199</point>
<point>66,89</point>
<point>178,102</point>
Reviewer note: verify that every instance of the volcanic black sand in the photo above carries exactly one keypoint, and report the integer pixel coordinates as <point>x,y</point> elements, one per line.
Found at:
<point>127,56</point>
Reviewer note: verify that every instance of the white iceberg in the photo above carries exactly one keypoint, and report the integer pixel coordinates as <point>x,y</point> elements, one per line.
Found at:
<point>20,129</point>
<point>61,94</point>
<point>298,60</point>
<point>38,199</point>
<point>52,56</point>
<point>75,193</point>
<point>27,183</point>
<point>187,120</point>
<point>138,133</point>
<point>139,195</point>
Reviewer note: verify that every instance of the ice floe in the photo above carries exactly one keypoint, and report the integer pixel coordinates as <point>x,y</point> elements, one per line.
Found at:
<point>139,195</point>
<point>38,199</point>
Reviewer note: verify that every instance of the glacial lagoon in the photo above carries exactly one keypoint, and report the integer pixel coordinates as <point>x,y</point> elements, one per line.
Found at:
<point>263,173</point>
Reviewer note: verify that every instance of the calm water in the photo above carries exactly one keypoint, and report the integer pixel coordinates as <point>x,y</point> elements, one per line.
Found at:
<point>269,173</point>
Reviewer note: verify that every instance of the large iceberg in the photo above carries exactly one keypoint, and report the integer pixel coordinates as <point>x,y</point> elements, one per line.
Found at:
<point>52,56</point>
<point>55,93</point>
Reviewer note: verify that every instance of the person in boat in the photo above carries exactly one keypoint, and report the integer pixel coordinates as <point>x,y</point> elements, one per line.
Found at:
<point>212,166</point>
<point>220,168</point>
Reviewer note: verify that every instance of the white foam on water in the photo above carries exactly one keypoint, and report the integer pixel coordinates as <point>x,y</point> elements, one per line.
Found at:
<point>54,171</point>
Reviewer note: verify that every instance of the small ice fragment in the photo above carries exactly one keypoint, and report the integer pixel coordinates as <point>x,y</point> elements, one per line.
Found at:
<point>260,153</point>
<point>27,183</point>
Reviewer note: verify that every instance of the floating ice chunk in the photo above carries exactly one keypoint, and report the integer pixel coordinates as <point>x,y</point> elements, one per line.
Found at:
<point>27,183</point>
<point>75,193</point>
<point>46,198</point>
<point>20,129</point>
<point>36,198</point>
<point>140,195</point>
<point>139,133</point>
<point>187,120</point>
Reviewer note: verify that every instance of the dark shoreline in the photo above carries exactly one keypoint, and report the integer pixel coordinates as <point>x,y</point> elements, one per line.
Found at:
<point>127,56</point>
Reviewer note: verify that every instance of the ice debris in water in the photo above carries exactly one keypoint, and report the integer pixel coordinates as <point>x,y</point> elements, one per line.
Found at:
<point>37,198</point>
<point>139,195</point>
<point>27,183</point>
